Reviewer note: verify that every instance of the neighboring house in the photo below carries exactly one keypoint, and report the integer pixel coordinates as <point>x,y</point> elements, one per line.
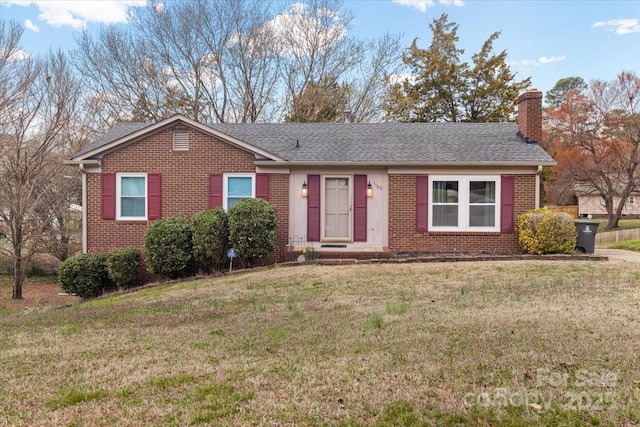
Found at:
<point>591,204</point>
<point>344,188</point>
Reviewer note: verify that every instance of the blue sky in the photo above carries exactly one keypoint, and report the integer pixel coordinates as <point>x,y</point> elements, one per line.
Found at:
<point>545,40</point>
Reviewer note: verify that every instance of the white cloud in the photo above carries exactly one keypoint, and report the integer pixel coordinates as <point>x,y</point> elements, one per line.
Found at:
<point>423,5</point>
<point>400,78</point>
<point>550,59</point>
<point>77,14</point>
<point>620,26</point>
<point>293,26</point>
<point>537,62</point>
<point>30,25</point>
<point>16,55</point>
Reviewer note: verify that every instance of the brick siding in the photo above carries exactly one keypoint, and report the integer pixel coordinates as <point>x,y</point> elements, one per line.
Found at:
<point>403,236</point>
<point>530,114</point>
<point>185,187</point>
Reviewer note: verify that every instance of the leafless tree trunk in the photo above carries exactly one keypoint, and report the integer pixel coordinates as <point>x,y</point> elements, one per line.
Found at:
<point>38,97</point>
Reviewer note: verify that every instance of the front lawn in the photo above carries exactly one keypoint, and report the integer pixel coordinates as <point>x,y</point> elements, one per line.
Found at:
<point>494,343</point>
<point>622,224</point>
<point>630,245</point>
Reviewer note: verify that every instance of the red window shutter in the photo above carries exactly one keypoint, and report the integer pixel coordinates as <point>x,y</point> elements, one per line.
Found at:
<point>215,191</point>
<point>422,203</point>
<point>313,208</point>
<point>506,204</point>
<point>360,208</point>
<point>262,186</point>
<point>108,188</point>
<point>154,196</point>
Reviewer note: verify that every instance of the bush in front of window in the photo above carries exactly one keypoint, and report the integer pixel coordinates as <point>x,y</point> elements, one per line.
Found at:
<point>168,245</point>
<point>252,228</point>
<point>210,239</point>
<point>122,266</point>
<point>542,231</point>
<point>84,275</point>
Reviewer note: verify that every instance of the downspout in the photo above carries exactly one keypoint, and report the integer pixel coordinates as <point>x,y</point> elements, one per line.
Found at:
<point>84,209</point>
<point>537,196</point>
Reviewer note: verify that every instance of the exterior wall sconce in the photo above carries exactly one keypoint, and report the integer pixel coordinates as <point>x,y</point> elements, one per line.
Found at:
<point>304,189</point>
<point>369,190</point>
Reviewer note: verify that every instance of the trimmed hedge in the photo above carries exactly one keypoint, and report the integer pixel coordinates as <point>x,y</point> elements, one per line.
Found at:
<point>84,275</point>
<point>168,246</point>
<point>123,265</point>
<point>542,231</point>
<point>210,238</point>
<point>252,228</point>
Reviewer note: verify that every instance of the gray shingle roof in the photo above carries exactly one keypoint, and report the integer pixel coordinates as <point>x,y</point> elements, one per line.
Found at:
<point>374,142</point>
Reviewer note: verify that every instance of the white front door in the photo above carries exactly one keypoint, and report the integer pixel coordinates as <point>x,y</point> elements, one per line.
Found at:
<point>337,208</point>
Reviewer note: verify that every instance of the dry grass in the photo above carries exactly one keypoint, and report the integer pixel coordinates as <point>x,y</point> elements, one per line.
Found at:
<point>497,343</point>
<point>37,292</point>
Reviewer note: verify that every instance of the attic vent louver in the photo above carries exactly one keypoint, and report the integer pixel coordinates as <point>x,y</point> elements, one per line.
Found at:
<point>180,140</point>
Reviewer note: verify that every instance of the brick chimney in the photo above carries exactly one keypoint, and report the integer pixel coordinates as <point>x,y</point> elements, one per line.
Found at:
<point>530,115</point>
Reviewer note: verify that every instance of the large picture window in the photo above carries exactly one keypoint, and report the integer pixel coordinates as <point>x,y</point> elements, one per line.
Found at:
<point>131,201</point>
<point>464,203</point>
<point>236,187</point>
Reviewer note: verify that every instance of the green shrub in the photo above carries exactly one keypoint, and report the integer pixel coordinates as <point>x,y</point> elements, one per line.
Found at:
<point>168,246</point>
<point>122,266</point>
<point>542,231</point>
<point>252,228</point>
<point>210,238</point>
<point>84,275</point>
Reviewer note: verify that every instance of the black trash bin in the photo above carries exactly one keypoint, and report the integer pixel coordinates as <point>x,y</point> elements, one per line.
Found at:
<point>586,241</point>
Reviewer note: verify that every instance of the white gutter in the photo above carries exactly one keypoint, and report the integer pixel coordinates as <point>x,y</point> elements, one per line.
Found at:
<point>401,164</point>
<point>84,209</point>
<point>82,162</point>
<point>537,196</point>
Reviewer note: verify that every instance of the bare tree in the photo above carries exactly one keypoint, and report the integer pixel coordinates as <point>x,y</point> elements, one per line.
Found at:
<point>39,97</point>
<point>366,84</point>
<point>312,38</point>
<point>595,138</point>
<point>211,61</point>
<point>231,61</point>
<point>122,77</point>
<point>11,85</point>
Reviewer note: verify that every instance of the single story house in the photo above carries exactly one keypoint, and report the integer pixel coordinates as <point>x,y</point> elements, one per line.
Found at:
<point>346,188</point>
<point>591,203</point>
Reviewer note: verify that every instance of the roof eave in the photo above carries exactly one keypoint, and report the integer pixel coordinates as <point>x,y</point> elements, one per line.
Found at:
<point>409,164</point>
<point>165,123</point>
<point>82,162</point>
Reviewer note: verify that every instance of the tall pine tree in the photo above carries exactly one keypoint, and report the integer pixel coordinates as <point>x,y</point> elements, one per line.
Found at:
<point>442,88</point>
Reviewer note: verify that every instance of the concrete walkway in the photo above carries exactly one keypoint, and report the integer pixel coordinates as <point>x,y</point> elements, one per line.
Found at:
<point>619,255</point>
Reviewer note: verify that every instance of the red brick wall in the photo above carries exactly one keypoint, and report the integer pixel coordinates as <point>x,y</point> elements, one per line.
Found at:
<point>402,222</point>
<point>530,114</point>
<point>185,186</point>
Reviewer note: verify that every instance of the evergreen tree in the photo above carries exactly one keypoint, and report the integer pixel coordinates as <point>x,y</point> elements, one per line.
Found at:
<point>442,88</point>
<point>555,97</point>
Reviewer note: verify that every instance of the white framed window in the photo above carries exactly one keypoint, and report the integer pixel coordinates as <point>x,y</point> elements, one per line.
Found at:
<point>632,200</point>
<point>468,203</point>
<point>237,186</point>
<point>131,196</point>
